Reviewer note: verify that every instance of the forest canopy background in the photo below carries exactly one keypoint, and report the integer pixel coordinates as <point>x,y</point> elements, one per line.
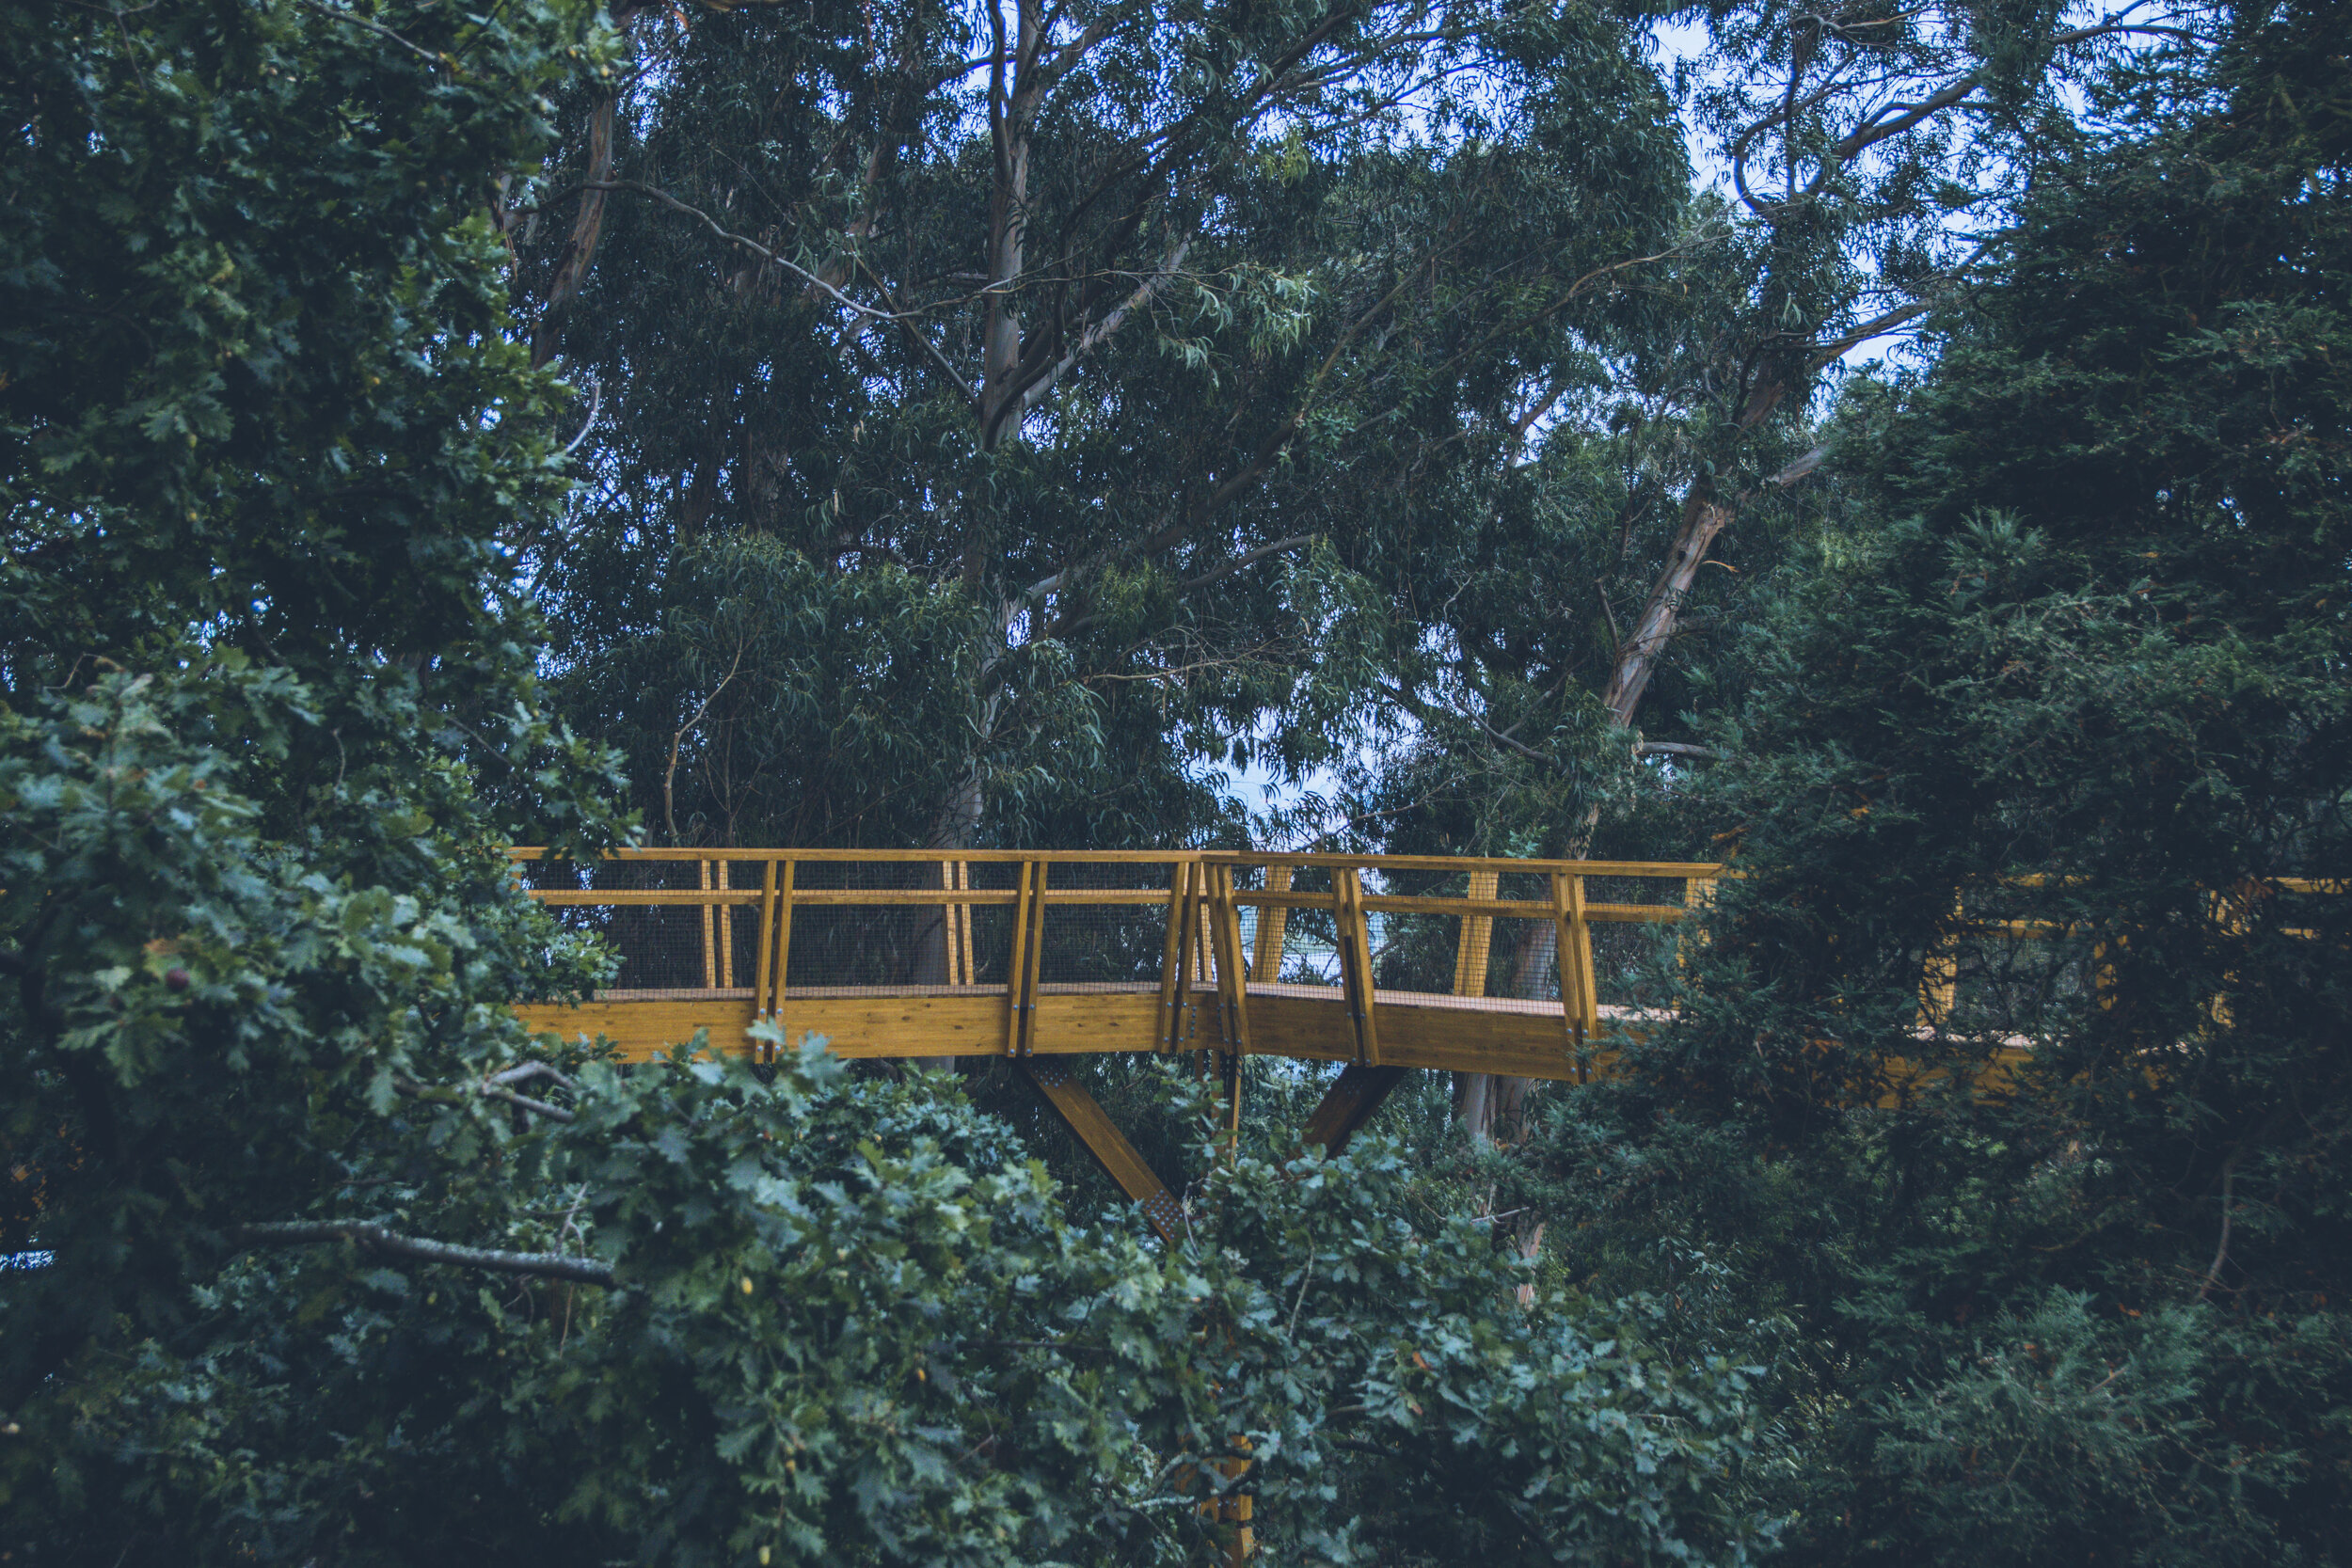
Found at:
<point>426,428</point>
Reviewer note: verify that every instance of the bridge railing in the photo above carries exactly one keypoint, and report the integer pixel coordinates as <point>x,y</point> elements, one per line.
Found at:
<point>935,953</point>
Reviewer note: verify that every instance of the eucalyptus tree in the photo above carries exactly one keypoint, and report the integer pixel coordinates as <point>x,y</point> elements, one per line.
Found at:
<point>1083,384</point>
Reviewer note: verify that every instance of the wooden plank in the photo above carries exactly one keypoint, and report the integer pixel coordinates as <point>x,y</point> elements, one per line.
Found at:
<point>1100,1137</point>
<point>644,1029</point>
<point>1449,1038</point>
<point>1107,895</point>
<point>1474,945</point>
<point>1514,908</point>
<point>1349,1103</point>
<point>886,1026</point>
<point>891,896</point>
<point>970,857</point>
<point>1094,1022</point>
<point>623,897</point>
<point>1672,869</point>
<point>1309,1022</point>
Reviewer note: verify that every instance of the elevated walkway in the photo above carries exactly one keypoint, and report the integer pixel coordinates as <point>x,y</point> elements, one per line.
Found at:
<point>1387,964</point>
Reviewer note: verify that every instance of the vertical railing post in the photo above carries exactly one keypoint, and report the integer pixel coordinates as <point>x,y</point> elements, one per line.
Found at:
<point>711,947</point>
<point>1356,974</point>
<point>1939,978</point>
<point>726,928</point>
<point>1017,975</point>
<point>1579,1006</point>
<point>1037,958</point>
<point>1698,894</point>
<point>782,976</point>
<point>1176,958</point>
<point>962,970</point>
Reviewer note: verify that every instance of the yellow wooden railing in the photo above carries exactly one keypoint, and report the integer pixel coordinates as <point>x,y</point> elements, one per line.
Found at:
<point>1224,920</point>
<point>1038,956</point>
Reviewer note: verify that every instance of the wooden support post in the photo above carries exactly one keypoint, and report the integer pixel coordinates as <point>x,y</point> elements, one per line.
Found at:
<point>1476,942</point>
<point>710,945</point>
<point>777,982</point>
<point>726,928</point>
<point>1233,987</point>
<point>1579,1008</point>
<point>1037,959</point>
<point>1349,1103</point>
<point>963,970</point>
<point>1238,1541</point>
<point>1175,987</point>
<point>1356,974</point>
<point>952,970</point>
<point>1233,995</point>
<point>1020,987</point>
<point>1698,893</point>
<point>1100,1137</point>
<point>1268,969</point>
<point>767,941</point>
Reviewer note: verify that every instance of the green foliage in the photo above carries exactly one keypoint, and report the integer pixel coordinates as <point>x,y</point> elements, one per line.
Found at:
<point>2086,676</point>
<point>346,1267</point>
<point>1284,281</point>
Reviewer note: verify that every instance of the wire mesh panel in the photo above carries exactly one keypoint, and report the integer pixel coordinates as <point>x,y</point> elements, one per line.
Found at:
<point>1306,950</point>
<point>1104,925</point>
<point>1632,956</point>
<point>927,938</point>
<point>682,947</point>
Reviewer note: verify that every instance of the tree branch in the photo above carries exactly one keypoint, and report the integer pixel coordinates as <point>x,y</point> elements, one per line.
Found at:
<point>374,1239</point>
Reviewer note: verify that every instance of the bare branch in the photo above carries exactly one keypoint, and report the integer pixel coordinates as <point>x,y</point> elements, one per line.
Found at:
<point>638,187</point>
<point>376,1239</point>
<point>529,1070</point>
<point>1242,564</point>
<point>669,802</point>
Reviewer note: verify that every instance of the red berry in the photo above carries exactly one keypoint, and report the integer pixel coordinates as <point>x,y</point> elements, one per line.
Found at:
<point>176,979</point>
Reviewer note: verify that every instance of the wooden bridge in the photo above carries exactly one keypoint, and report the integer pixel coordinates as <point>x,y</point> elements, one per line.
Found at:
<point>1387,964</point>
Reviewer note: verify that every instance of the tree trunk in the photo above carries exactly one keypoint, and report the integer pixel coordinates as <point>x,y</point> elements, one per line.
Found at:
<point>571,268</point>
<point>1497,1107</point>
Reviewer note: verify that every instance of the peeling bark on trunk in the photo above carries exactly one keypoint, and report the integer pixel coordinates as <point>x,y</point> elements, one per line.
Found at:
<point>579,251</point>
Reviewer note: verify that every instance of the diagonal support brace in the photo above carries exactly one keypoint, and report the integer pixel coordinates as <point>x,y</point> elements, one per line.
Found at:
<point>1093,1127</point>
<point>1349,1103</point>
